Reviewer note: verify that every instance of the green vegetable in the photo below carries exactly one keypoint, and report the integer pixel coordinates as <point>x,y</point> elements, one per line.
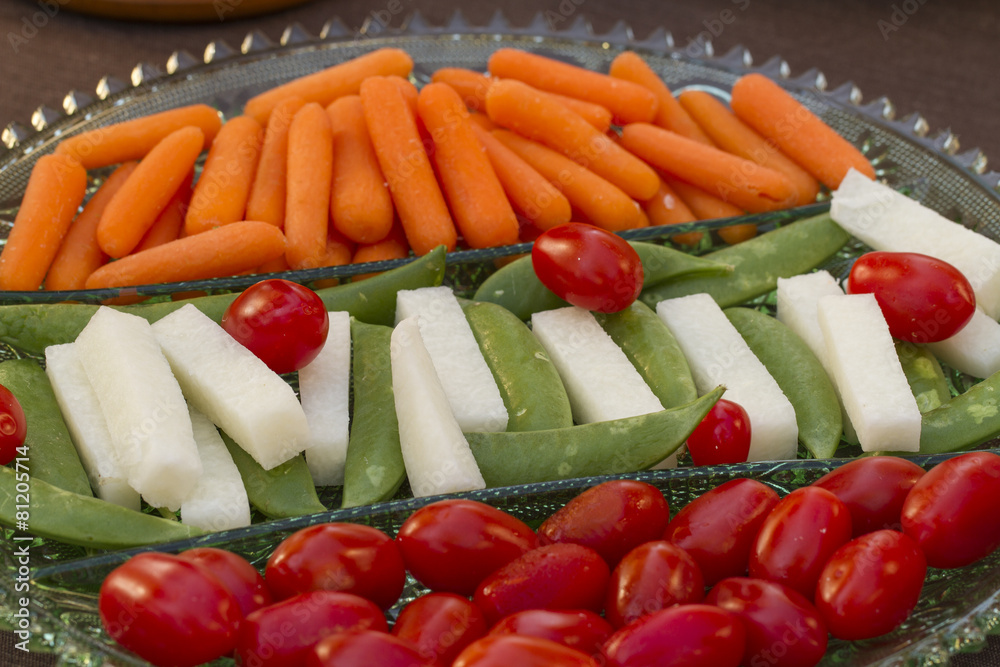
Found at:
<point>600,448</point>
<point>925,375</point>
<point>799,374</point>
<point>529,383</point>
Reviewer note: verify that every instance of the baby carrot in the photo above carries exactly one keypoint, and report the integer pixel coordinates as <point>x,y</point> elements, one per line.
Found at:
<point>133,139</point>
<point>409,91</point>
<point>310,173</point>
<point>393,246</point>
<point>708,207</point>
<point>267,195</point>
<point>667,208</point>
<point>327,85</point>
<point>519,107</point>
<point>220,195</point>
<point>799,133</point>
<point>401,154</point>
<point>170,223</point>
<point>139,201</point>
<point>360,203</point>
<point>222,251</point>
<point>627,101</point>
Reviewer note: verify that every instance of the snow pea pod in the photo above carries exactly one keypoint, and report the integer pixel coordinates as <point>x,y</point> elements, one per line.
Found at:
<point>284,491</point>
<point>924,375</point>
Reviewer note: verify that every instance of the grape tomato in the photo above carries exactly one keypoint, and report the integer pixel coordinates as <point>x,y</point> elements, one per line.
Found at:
<point>13,426</point>
<point>653,576</point>
<point>693,635</point>
<point>440,625</point>
<point>723,436</point>
<point>874,489</point>
<point>579,629</point>
<point>236,573</point>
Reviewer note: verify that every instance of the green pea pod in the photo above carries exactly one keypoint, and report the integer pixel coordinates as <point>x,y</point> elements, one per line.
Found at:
<point>800,375</point>
<point>529,383</point>
<point>33,327</point>
<point>924,374</point>
<point>781,253</point>
<point>284,491</point>
<point>374,469</point>
<point>51,451</point>
<point>80,520</point>
<point>600,448</point>
<point>653,350</point>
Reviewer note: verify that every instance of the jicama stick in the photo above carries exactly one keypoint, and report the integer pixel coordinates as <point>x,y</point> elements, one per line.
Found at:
<point>307,204</point>
<point>324,391</point>
<point>267,195</point>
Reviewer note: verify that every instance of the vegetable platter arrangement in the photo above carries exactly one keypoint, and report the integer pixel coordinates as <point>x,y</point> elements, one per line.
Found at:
<point>515,460</point>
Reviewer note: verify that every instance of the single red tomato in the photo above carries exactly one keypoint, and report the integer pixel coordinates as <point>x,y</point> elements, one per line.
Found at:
<point>923,299</point>
<point>873,488</point>
<point>168,611</point>
<point>579,629</point>
<point>283,634</point>
<point>651,577</point>
<point>718,528</point>
<point>588,266</point>
<point>365,648</point>
<point>611,518</point>
<point>951,510</point>
<point>870,585</point>
<point>522,651</point>
<point>723,436</point>
<point>283,323</point>
<point>440,625</point>
<point>692,635</point>
<point>236,574</point>
<point>337,557</point>
<point>555,576</point>
<point>454,544</point>
<point>783,627</point>
<point>798,537</point>
<point>13,426</point>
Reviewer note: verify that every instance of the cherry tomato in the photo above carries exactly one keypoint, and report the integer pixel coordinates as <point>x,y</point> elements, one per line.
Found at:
<point>236,573</point>
<point>522,651</point>
<point>718,528</point>
<point>783,627</point>
<point>579,629</point>
<point>798,537</point>
<point>693,635</point>
<point>611,518</point>
<point>588,267</point>
<point>337,557</point>
<point>440,625</point>
<point>873,488</point>
<point>283,323</point>
<point>168,611</point>
<point>651,577</point>
<point>923,299</point>
<point>723,436</point>
<point>13,426</point>
<point>951,510</point>
<point>870,585</point>
<point>452,545</point>
<point>364,649</point>
<point>556,576</point>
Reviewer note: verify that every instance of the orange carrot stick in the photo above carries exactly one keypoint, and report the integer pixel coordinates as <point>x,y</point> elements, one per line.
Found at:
<point>475,197</point>
<point>409,91</point>
<point>481,120</point>
<point>401,154</point>
<point>310,174</point>
<point>708,207</point>
<point>517,106</point>
<point>221,193</point>
<point>222,251</point>
<point>360,203</point>
<point>734,136</point>
<point>276,265</point>
<point>267,195</point>
<point>133,139</point>
<point>667,208</point>
<point>627,101</point>
<point>393,246</point>
<point>799,133</point>
<point>145,194</point>
<point>170,223</point>
<point>327,85</point>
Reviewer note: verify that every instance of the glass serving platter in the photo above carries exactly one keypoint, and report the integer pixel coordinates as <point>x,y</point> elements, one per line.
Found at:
<point>958,608</point>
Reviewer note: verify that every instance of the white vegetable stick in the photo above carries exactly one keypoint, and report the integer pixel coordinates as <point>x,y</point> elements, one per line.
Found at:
<point>467,380</point>
<point>435,452</point>
<point>717,354</point>
<point>868,374</point>
<point>234,388</point>
<point>142,405</point>
<point>219,501</point>
<point>975,349</point>
<point>888,220</point>
<point>324,390</point>
<point>87,426</point>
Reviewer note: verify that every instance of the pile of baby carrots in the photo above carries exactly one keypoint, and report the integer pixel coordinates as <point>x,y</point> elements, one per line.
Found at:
<point>355,164</point>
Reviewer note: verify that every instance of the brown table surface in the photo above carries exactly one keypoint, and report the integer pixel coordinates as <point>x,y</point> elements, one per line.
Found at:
<point>936,58</point>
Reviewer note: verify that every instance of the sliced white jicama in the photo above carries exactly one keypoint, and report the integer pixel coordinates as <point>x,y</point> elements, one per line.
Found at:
<point>219,501</point>
<point>324,390</point>
<point>797,303</point>
<point>87,426</point>
<point>717,354</point>
<point>234,388</point>
<point>891,221</point>
<point>467,380</point>
<point>866,370</point>
<point>975,349</point>
<point>142,405</point>
<point>436,454</point>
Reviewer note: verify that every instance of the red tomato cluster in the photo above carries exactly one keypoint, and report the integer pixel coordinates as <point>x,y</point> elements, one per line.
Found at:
<point>738,576</point>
